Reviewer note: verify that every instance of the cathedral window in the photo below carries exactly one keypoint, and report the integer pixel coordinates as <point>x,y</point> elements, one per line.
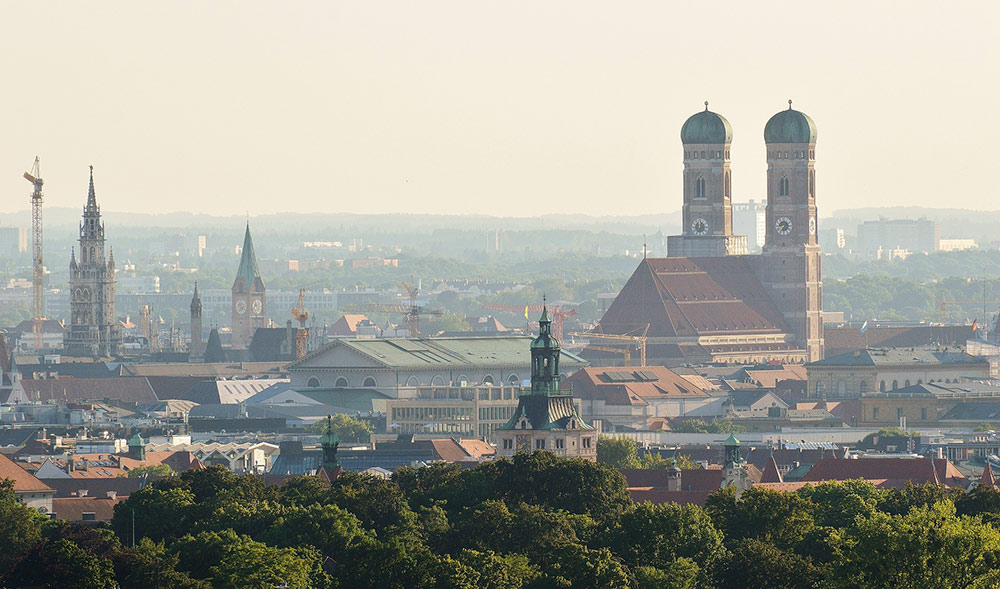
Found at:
<point>699,187</point>
<point>369,382</point>
<point>812,183</point>
<point>728,185</point>
<point>863,387</point>
<point>881,386</point>
<point>783,186</point>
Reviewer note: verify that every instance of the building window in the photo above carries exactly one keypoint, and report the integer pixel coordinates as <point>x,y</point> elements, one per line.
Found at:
<point>899,412</point>
<point>560,443</point>
<point>874,413</point>
<point>895,385</point>
<point>728,185</point>
<point>907,383</point>
<point>923,413</point>
<point>514,379</point>
<point>881,386</point>
<point>342,382</point>
<point>508,444</point>
<point>539,444</point>
<point>369,382</point>
<point>863,387</point>
<point>783,186</point>
<point>699,187</point>
<point>841,388</point>
<point>488,379</point>
<point>586,442</point>
<point>812,183</point>
<point>313,382</point>
<point>88,516</point>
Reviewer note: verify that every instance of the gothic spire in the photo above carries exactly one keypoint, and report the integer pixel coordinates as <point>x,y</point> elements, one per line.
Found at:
<point>248,260</point>
<point>91,195</point>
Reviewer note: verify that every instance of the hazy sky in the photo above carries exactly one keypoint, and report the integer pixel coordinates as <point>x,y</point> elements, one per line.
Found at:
<point>505,108</point>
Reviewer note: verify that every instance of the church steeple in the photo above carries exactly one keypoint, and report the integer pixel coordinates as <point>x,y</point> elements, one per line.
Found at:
<point>248,260</point>
<point>91,194</point>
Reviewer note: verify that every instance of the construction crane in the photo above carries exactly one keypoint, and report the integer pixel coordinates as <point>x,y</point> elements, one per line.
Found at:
<point>412,313</point>
<point>302,335</point>
<point>37,270</point>
<point>557,313</point>
<point>630,342</point>
<point>943,305</point>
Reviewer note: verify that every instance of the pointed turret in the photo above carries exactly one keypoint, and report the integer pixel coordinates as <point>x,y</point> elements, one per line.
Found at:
<point>111,258</point>
<point>545,353</point>
<point>91,194</point>
<point>196,302</point>
<point>72,257</point>
<point>988,479</point>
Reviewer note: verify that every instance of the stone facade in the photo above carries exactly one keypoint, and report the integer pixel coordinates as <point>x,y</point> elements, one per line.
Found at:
<point>546,417</point>
<point>93,329</point>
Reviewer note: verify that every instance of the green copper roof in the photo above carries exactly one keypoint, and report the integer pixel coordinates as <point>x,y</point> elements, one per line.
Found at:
<point>136,440</point>
<point>790,126</point>
<point>706,127</point>
<point>248,262</point>
<point>731,441</point>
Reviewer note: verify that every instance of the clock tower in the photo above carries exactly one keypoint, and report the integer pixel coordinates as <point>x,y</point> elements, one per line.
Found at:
<point>789,266</point>
<point>707,229</point>
<point>249,297</point>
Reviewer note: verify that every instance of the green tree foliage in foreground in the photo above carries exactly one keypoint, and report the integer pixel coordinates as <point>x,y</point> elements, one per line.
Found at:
<point>533,522</point>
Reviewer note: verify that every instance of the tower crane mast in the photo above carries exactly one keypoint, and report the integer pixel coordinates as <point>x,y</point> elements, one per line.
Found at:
<point>37,269</point>
<point>302,334</point>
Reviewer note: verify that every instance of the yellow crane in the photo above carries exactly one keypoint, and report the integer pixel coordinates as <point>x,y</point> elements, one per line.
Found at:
<point>630,342</point>
<point>37,269</point>
<point>302,335</point>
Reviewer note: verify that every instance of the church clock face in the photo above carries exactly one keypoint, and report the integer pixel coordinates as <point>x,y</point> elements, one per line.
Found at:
<point>241,306</point>
<point>257,307</point>
<point>783,225</point>
<point>812,225</point>
<point>700,226</point>
<point>523,444</point>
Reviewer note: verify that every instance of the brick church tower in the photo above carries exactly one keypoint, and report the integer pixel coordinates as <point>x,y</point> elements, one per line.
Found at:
<point>93,329</point>
<point>708,209</point>
<point>789,267</point>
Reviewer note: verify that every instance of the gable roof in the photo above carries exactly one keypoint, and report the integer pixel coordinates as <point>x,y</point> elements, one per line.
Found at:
<point>685,297</point>
<point>918,470</point>
<point>901,356</point>
<point>346,325</point>
<point>442,352</point>
<point>71,509</point>
<point>76,390</point>
<point>771,473</point>
<point>769,378</point>
<point>632,386</point>
<point>22,479</point>
<point>227,392</point>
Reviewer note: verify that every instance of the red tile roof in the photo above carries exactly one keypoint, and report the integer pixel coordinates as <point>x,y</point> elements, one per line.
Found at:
<point>632,386</point>
<point>71,509</point>
<point>917,470</point>
<point>76,390</point>
<point>684,297</point>
<point>23,480</point>
<point>771,473</point>
<point>987,478</point>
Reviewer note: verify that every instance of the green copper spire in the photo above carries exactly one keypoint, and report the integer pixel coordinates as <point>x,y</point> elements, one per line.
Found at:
<point>545,352</point>
<point>248,261</point>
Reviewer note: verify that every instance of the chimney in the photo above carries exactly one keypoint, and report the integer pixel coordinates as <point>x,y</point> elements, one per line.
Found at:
<point>112,495</point>
<point>940,453</point>
<point>81,492</point>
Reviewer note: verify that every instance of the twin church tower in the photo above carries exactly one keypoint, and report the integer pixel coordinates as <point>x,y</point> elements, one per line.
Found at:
<point>789,266</point>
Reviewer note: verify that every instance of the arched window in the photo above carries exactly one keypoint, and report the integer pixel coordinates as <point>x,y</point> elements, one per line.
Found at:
<point>437,380</point>
<point>313,382</point>
<point>462,379</point>
<point>812,183</point>
<point>841,388</point>
<point>342,382</point>
<point>881,386</point>
<point>728,185</point>
<point>412,381</point>
<point>863,387</point>
<point>83,254</point>
<point>895,385</point>
<point>920,381</point>
<point>907,383</point>
<point>699,187</point>
<point>514,379</point>
<point>783,186</point>
<point>488,379</point>
<point>820,388</point>
<point>369,382</point>
<point>92,255</point>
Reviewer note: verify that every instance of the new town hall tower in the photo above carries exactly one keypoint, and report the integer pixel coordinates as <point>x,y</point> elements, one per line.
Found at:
<point>93,329</point>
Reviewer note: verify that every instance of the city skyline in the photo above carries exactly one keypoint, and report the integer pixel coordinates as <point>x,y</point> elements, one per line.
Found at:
<point>453,107</point>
